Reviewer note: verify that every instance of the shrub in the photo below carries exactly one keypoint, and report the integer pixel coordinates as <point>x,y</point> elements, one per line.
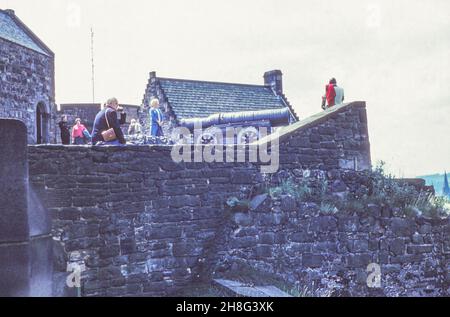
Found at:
<point>383,190</point>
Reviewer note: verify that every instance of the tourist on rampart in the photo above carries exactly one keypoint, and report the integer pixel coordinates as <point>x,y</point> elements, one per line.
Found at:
<point>339,91</point>
<point>107,129</point>
<point>65,133</point>
<point>79,133</point>
<point>328,100</point>
<point>156,119</point>
<point>135,128</point>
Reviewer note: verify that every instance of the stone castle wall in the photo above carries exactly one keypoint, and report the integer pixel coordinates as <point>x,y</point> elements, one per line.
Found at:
<point>26,79</point>
<point>328,254</point>
<point>141,223</point>
<point>144,225</point>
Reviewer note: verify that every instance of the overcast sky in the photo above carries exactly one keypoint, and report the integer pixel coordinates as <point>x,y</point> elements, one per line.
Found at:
<point>395,55</point>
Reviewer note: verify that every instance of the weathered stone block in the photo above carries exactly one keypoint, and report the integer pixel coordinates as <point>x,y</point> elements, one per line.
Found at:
<point>409,258</point>
<point>127,246</point>
<point>329,145</point>
<point>263,251</point>
<point>402,227</point>
<point>246,232</point>
<point>243,220</point>
<point>288,203</point>
<point>109,251</point>
<point>358,246</point>
<point>242,177</point>
<point>301,236</point>
<point>183,249</point>
<point>327,130</point>
<point>244,242</point>
<point>267,238</point>
<point>312,260</point>
<point>359,260</point>
<point>182,201</point>
<point>348,224</point>
<point>374,210</point>
<point>162,232</point>
<point>323,224</point>
<point>397,246</point>
<point>69,213</point>
<point>300,142</point>
<point>417,238</point>
<point>418,249</point>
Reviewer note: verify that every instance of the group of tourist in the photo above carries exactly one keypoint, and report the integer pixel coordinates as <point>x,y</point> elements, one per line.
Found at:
<point>79,136</point>
<point>106,130</point>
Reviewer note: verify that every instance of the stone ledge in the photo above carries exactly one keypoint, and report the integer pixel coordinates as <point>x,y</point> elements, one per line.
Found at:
<point>313,120</point>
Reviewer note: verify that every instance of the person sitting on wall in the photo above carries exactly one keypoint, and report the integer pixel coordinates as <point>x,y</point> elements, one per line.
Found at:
<point>107,129</point>
<point>156,119</point>
<point>339,91</point>
<point>65,133</point>
<point>78,134</point>
<point>330,95</point>
<point>134,128</point>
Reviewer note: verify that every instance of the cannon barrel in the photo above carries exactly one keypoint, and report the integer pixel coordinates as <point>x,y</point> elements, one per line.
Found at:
<point>276,117</point>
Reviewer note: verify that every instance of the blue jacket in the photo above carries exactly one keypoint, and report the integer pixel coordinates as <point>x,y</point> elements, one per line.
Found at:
<point>101,125</point>
<point>155,116</point>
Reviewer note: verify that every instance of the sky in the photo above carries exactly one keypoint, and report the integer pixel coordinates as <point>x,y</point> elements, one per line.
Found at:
<point>395,55</point>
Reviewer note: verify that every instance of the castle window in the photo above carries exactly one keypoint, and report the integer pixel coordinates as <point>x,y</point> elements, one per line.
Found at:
<point>2,67</point>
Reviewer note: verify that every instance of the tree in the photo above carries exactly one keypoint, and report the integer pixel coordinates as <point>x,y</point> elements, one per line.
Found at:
<point>446,188</point>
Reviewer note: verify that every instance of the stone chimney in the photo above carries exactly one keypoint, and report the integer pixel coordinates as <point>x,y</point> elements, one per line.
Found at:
<point>274,79</point>
<point>10,12</point>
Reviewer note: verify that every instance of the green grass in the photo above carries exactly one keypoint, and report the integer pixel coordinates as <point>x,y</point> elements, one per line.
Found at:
<point>384,191</point>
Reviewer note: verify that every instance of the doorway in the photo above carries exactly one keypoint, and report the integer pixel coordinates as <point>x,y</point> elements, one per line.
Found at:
<point>42,124</point>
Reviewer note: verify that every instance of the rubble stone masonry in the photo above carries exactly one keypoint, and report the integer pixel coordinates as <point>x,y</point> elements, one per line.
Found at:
<point>144,225</point>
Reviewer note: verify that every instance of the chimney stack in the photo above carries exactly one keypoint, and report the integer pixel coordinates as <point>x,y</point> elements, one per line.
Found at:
<point>10,12</point>
<point>274,79</point>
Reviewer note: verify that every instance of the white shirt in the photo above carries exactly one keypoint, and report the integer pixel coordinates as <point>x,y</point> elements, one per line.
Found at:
<point>339,95</point>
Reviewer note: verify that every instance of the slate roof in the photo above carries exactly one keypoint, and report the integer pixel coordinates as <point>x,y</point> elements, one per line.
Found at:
<point>13,30</point>
<point>198,99</point>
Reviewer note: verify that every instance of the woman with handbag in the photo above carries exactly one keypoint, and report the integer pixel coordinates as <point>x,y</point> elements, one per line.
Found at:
<point>107,129</point>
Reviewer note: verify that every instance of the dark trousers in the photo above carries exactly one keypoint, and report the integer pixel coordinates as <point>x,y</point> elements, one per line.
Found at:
<point>65,139</point>
<point>79,141</point>
<point>156,130</point>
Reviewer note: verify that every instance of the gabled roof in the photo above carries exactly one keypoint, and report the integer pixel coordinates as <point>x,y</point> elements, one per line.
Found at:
<point>14,30</point>
<point>199,99</point>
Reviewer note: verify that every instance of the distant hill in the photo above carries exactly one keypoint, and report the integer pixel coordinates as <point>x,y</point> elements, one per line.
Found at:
<point>437,180</point>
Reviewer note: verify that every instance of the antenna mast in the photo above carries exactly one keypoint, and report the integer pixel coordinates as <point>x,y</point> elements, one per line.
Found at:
<point>92,65</point>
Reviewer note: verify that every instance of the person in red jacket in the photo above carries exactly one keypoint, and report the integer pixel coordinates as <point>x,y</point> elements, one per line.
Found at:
<point>78,133</point>
<point>330,94</point>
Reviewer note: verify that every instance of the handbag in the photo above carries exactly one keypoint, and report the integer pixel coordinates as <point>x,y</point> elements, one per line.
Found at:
<point>110,134</point>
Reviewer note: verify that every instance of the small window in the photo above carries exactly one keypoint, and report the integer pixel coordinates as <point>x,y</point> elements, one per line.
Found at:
<point>2,67</point>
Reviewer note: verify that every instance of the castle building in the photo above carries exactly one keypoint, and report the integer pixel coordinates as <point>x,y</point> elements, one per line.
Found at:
<point>27,93</point>
<point>27,79</point>
<point>218,105</point>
